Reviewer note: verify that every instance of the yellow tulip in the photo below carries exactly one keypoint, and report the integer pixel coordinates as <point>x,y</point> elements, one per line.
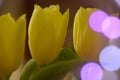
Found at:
<point>87,43</point>
<point>12,43</point>
<point>47,30</point>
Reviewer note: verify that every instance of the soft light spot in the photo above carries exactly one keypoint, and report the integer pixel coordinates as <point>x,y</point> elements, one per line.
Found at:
<point>110,75</point>
<point>111,27</point>
<point>110,58</point>
<point>118,2</point>
<point>1,1</point>
<point>96,19</point>
<point>91,71</point>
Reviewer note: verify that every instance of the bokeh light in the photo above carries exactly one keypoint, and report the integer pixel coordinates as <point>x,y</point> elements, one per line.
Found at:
<point>111,27</point>
<point>96,20</point>
<point>118,2</point>
<point>110,58</point>
<point>91,71</point>
<point>110,75</point>
<point>1,1</point>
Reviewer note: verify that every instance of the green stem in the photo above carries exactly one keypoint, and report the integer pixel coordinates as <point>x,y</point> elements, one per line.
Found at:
<point>52,70</point>
<point>66,61</point>
<point>29,68</point>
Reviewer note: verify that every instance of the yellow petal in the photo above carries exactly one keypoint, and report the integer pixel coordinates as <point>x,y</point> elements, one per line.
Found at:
<point>81,19</point>
<point>87,43</point>
<point>60,24</point>
<point>41,36</point>
<point>21,37</point>
<point>47,32</point>
<point>56,17</point>
<point>61,30</point>
<point>10,49</point>
<point>52,8</point>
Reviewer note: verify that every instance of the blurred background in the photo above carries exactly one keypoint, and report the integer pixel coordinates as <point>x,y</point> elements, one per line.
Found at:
<point>19,7</point>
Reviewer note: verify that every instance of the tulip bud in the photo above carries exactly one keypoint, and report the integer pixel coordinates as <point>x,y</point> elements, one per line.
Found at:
<point>87,43</point>
<point>12,43</point>
<point>47,30</point>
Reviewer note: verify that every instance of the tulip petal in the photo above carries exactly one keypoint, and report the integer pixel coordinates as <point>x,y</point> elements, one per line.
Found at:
<point>21,36</point>
<point>10,46</point>
<point>77,30</point>
<point>41,36</point>
<point>7,28</point>
<point>87,43</point>
<point>56,18</point>
<point>60,23</point>
<point>53,8</point>
<point>61,31</point>
<point>47,31</point>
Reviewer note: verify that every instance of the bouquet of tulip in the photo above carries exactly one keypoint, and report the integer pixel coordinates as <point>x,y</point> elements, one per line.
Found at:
<point>46,35</point>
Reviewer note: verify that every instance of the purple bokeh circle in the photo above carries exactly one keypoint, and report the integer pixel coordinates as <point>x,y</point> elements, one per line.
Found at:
<point>91,71</point>
<point>96,20</point>
<point>118,2</point>
<point>110,58</point>
<point>111,27</point>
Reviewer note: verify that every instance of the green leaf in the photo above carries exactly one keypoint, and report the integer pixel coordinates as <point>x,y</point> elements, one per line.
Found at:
<point>53,71</point>
<point>50,71</point>
<point>29,68</point>
<point>67,54</point>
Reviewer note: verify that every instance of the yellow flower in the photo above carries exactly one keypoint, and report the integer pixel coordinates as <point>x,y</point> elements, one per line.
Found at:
<point>87,43</point>
<point>47,30</point>
<point>12,43</point>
